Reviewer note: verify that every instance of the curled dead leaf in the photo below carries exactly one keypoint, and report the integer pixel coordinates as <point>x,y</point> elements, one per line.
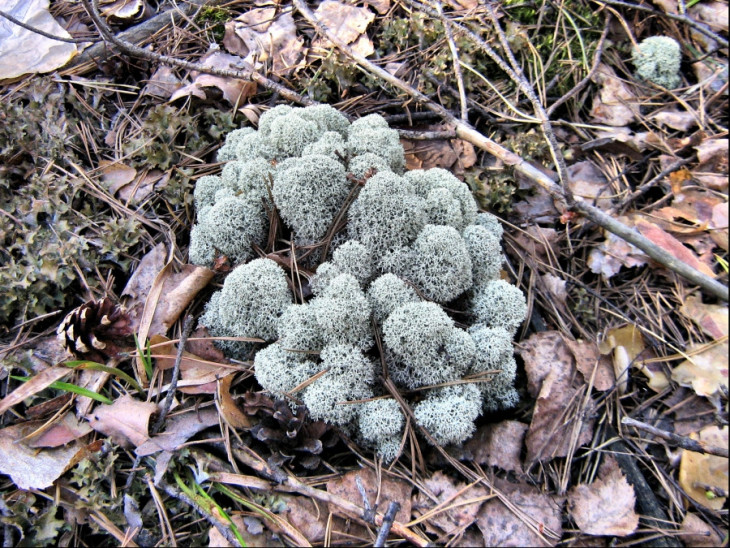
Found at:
<point>615,103</point>
<point>126,421</point>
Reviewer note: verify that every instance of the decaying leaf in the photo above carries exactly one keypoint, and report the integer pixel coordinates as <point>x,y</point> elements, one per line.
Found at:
<point>307,515</point>
<point>178,430</point>
<point>234,90</point>
<point>197,376</point>
<point>498,444</point>
<point>265,35</point>
<point>714,14</point>
<point>25,52</point>
<point>68,429</point>
<point>30,468</point>
<point>501,527</point>
<point>587,183</point>
<point>711,318</point>
<point>591,364</point>
<point>143,186</point>
<point>555,287</point>
<point>696,532</point>
<point>178,290</point>
<point>126,421</point>
<point>388,489</point>
<point>674,119</point>
<point>162,84</point>
<point>456,505</point>
<point>228,408</point>
<point>558,425</point>
<point>712,169</point>
<point>346,22</point>
<point>539,242</point>
<point>606,506</point>
<point>454,155</point>
<point>615,103</point>
<point>699,473</point>
<point>115,175</point>
<point>37,383</point>
<point>614,252</point>
<point>705,370</point>
<point>141,281</point>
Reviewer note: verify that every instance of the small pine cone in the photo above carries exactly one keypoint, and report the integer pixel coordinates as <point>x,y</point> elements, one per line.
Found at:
<point>92,331</point>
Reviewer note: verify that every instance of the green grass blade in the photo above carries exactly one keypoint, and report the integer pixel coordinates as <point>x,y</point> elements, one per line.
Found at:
<point>68,387</point>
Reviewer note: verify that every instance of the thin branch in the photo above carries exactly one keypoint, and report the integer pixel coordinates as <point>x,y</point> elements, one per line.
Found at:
<point>388,520</point>
<point>682,441</point>
<point>136,51</point>
<point>45,34</point>
<point>457,65</point>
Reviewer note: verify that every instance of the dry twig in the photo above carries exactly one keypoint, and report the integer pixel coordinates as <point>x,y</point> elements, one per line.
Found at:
<point>682,441</point>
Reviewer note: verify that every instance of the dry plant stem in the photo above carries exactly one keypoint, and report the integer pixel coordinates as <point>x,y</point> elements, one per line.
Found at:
<point>42,32</point>
<point>682,441</point>
<point>388,520</point>
<point>457,65</point>
<point>682,18</point>
<point>646,187</point>
<point>165,408</point>
<point>215,522</point>
<point>136,51</point>
<point>655,252</point>
<point>289,483</point>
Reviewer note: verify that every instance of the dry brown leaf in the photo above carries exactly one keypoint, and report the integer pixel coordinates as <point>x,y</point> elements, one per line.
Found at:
<point>197,376</point>
<point>25,52</point>
<point>39,382</point>
<point>706,370</point>
<point>606,506</point>
<point>539,242</point>
<point>614,252</point>
<point>696,533</point>
<point>674,119</point>
<point>552,377</point>
<point>141,281</point>
<point>143,185</point>
<point>711,318</point>
<point>381,6</point>
<point>68,429</point>
<point>234,90</point>
<point>178,290</point>
<point>30,468</point>
<point>692,412</point>
<point>162,84</point>
<point>457,504</point>
<point>307,515</point>
<point>501,527</point>
<point>126,421</point>
<point>228,408</point>
<point>390,489</point>
<point>91,380</point>
<point>587,359</point>
<point>700,472</point>
<point>719,224</point>
<point>178,430</point>
<point>115,175</point>
<point>673,246</point>
<point>614,104</point>
<point>346,22</point>
<point>587,183</point>
<point>265,35</point>
<point>712,155</point>
<point>199,344</point>
<point>499,444</point>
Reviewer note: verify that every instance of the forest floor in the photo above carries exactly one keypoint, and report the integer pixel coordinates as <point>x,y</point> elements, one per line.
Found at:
<point>620,436</point>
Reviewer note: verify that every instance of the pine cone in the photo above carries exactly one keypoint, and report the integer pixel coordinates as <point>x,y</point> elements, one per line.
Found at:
<point>291,435</point>
<point>94,330</point>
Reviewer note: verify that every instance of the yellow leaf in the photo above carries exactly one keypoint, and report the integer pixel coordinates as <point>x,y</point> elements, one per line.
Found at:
<point>699,471</point>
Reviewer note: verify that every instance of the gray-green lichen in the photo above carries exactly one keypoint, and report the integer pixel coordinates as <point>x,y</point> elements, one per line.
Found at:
<point>412,250</point>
